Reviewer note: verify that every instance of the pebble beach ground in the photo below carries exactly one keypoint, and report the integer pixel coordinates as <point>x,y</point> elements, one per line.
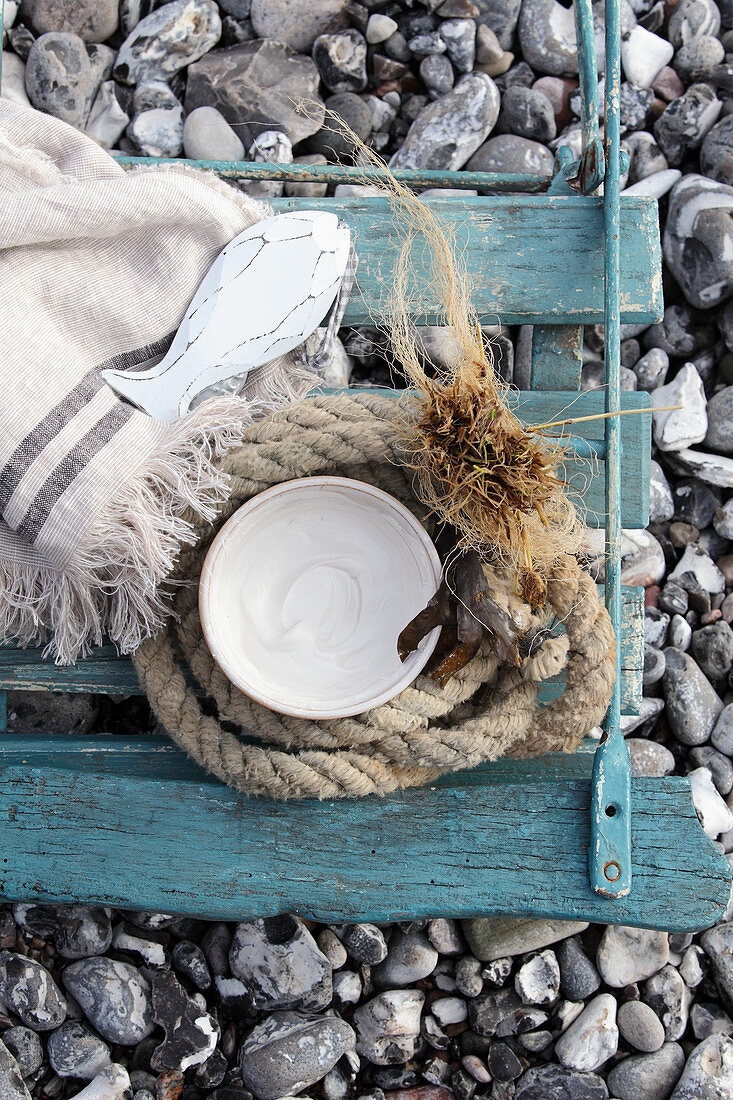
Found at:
<point>110,1005</point>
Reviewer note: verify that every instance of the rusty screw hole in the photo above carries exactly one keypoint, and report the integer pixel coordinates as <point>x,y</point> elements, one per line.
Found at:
<point>612,871</point>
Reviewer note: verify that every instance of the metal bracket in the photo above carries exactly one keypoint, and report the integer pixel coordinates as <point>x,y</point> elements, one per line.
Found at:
<point>610,817</point>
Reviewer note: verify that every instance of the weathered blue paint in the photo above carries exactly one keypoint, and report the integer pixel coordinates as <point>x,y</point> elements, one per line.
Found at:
<point>531,259</point>
<point>3,694</point>
<point>610,851</point>
<point>148,829</point>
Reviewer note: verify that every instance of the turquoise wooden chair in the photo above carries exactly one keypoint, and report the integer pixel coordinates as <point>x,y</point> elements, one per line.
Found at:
<point>130,822</point>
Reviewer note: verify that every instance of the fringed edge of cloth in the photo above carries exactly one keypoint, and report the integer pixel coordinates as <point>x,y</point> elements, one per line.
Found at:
<point>113,588</point>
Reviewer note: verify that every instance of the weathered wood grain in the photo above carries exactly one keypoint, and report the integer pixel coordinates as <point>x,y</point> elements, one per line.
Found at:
<point>532,259</point>
<point>151,831</point>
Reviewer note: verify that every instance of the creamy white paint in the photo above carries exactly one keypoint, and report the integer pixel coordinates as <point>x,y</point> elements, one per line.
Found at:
<point>306,589</point>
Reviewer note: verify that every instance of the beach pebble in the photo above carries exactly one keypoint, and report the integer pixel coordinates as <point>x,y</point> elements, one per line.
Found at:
<point>280,964</point>
<point>716,151</point>
<point>592,1038</point>
<point>698,240</point>
<point>190,962</point>
<point>640,1026</point>
<point>107,119</point>
<point>208,136</point>
<point>341,60</point>
<point>388,1026</point>
<point>691,18</point>
<point>364,943</point>
<point>507,153</point>
<point>647,1076</point>
<point>692,704</point>
<point>92,20</point>
<point>708,1072</point>
<point>28,990</point>
<point>447,132</point>
<point>554,1082</point>
<point>257,86</point>
<point>289,1051</point>
<point>296,23</point>
<point>191,1034</point>
<point>547,37</point>
<point>59,77</point>
<point>496,937</point>
<point>649,758</point>
<point>538,980</point>
<point>627,955</point>
<point>168,39</point>
<point>114,996</point>
<point>715,816</point>
<point>644,55</point>
<point>111,1083</point>
<point>579,978</point>
<point>12,1085</point>
<point>25,1046</point>
<point>666,993</point>
<point>158,133</point>
<point>410,958</point>
<point>75,1051</point>
<point>674,430</point>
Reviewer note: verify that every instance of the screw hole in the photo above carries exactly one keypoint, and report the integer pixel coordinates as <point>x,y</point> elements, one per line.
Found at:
<point>610,811</point>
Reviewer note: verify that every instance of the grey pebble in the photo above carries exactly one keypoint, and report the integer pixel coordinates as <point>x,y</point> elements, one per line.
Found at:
<point>75,1051</point>
<point>364,943</point>
<point>708,1072</point>
<point>25,1047</point>
<point>640,1026</point>
<point>12,1085</point>
<point>114,996</point>
<point>447,132</point>
<point>59,77</point>
<point>167,40</point>
<point>693,705</point>
<point>27,988</point>
<point>647,1076</point>
<point>280,964</point>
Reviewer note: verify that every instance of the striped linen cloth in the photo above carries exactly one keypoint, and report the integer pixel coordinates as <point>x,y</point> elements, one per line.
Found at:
<point>98,267</point>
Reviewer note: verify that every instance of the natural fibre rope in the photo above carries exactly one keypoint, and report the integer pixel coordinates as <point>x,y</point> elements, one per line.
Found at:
<point>483,713</point>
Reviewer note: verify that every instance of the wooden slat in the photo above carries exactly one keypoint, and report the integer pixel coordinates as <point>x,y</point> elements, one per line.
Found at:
<point>146,829</point>
<point>104,672</point>
<point>531,258</point>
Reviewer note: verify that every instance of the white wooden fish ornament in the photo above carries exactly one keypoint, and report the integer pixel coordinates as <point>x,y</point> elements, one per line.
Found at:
<point>264,295</point>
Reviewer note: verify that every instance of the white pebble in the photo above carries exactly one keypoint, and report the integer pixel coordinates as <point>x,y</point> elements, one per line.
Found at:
<point>449,1010</point>
<point>715,816</point>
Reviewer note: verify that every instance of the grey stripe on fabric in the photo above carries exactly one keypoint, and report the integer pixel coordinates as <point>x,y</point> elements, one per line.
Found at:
<point>75,461</point>
<point>64,412</point>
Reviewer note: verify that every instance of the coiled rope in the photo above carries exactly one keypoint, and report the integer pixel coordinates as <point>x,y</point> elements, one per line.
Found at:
<point>485,712</point>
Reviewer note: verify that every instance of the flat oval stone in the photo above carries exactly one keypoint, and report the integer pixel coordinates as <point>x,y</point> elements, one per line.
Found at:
<point>640,1026</point>
<point>114,997</point>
